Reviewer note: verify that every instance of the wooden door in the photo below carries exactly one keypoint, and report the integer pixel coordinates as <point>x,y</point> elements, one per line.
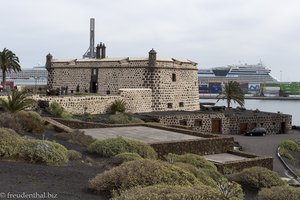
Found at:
<point>216,125</point>
<point>243,128</point>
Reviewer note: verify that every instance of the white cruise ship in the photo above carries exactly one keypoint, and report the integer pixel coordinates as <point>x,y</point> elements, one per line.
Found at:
<point>36,75</point>
<point>242,73</point>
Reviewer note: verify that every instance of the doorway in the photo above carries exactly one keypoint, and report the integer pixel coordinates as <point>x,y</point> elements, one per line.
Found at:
<point>243,128</point>
<point>283,127</point>
<point>216,126</point>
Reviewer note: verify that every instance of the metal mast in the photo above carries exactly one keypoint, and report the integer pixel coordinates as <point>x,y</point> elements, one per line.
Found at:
<point>90,53</point>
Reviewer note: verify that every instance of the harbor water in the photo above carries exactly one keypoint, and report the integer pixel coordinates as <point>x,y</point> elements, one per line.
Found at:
<point>291,107</point>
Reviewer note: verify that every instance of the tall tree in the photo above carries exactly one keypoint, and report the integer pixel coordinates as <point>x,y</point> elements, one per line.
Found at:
<point>8,62</point>
<point>232,92</point>
<point>17,101</point>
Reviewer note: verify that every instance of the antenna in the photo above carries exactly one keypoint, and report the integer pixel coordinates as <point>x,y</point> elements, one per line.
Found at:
<point>90,53</point>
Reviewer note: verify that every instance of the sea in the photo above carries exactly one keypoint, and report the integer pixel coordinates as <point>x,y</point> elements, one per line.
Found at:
<point>291,107</point>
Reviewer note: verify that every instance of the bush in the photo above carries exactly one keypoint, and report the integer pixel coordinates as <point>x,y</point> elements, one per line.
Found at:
<point>76,137</point>
<point>31,121</point>
<point>212,178</point>
<point>193,159</point>
<point>286,153</point>
<point>279,193</point>
<point>290,145</point>
<point>122,118</point>
<point>8,120</point>
<point>201,175</point>
<point>9,143</point>
<point>166,192</point>
<point>43,151</point>
<point>230,190</point>
<point>119,119</point>
<point>141,173</point>
<point>113,146</point>
<point>74,155</point>
<point>257,177</point>
<point>125,157</point>
<point>57,110</point>
<point>118,105</point>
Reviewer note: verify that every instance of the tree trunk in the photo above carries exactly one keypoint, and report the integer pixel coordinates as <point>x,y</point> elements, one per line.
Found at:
<point>3,79</point>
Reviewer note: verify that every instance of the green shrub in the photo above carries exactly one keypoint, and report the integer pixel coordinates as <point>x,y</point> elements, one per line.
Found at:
<point>213,178</point>
<point>74,155</point>
<point>31,121</point>
<point>119,119</point>
<point>76,137</point>
<point>113,146</point>
<point>258,177</point>
<point>122,118</point>
<point>57,110</point>
<point>230,190</point>
<point>8,120</point>
<point>141,173</point>
<point>43,151</point>
<point>126,156</point>
<point>214,174</point>
<point>193,159</point>
<point>118,105</point>
<point>290,145</point>
<point>201,175</point>
<point>9,143</point>
<point>167,192</point>
<point>286,153</point>
<point>279,193</point>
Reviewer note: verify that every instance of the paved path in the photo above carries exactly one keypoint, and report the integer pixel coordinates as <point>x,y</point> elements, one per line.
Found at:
<point>267,146</point>
<point>141,133</point>
<point>224,157</point>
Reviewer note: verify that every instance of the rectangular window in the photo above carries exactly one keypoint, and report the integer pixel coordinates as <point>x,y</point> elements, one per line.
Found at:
<point>183,122</point>
<point>173,77</point>
<point>181,104</point>
<point>170,105</point>
<point>107,92</point>
<point>198,122</point>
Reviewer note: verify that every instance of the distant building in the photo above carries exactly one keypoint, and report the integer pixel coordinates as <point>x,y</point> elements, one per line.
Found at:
<point>36,75</point>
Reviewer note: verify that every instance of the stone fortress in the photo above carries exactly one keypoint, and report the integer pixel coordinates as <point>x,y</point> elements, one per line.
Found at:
<point>146,84</point>
<point>165,89</point>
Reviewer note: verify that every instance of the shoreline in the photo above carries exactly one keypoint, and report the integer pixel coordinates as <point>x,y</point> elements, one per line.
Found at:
<point>213,96</point>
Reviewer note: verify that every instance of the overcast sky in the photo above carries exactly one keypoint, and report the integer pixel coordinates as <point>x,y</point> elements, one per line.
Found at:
<point>211,32</point>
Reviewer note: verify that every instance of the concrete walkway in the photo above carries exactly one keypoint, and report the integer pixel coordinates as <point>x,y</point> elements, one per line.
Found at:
<point>267,146</point>
<point>141,133</point>
<point>223,157</point>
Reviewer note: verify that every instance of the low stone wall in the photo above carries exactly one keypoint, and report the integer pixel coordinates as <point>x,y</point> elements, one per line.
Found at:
<point>236,166</point>
<point>201,146</point>
<point>137,100</point>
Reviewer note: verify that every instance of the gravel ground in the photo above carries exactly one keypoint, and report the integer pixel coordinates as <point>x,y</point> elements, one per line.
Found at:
<point>68,182</point>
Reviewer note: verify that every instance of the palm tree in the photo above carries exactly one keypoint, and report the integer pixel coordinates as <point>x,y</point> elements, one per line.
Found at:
<point>8,62</point>
<point>232,92</point>
<point>17,101</point>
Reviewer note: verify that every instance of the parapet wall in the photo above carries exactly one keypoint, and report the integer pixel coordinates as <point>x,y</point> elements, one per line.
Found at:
<point>137,100</point>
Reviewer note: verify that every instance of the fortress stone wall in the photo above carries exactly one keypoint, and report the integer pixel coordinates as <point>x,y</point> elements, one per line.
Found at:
<point>138,100</point>
<point>173,83</point>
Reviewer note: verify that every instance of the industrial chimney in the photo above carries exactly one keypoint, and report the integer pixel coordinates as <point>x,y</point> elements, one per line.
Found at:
<point>90,53</point>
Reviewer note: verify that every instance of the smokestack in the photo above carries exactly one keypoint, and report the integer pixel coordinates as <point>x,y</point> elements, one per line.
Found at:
<point>98,51</point>
<point>92,38</point>
<point>103,52</point>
